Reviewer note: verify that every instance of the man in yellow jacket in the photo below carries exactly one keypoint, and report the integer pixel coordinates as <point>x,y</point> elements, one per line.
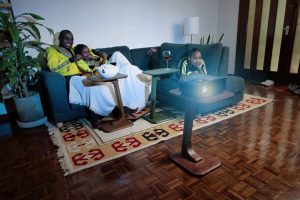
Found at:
<point>62,58</point>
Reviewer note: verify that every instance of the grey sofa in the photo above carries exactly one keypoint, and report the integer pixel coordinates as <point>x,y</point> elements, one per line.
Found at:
<point>216,57</point>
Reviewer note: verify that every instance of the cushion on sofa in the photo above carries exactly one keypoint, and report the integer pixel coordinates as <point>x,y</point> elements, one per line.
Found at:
<point>211,54</point>
<point>223,68</point>
<point>123,49</point>
<point>177,51</point>
<point>234,84</point>
<point>140,58</point>
<point>154,60</point>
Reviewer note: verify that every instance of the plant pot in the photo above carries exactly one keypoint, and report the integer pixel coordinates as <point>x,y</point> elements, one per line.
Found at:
<point>30,111</point>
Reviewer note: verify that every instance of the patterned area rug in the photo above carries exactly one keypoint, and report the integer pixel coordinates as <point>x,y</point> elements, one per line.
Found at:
<point>80,147</point>
<point>139,124</point>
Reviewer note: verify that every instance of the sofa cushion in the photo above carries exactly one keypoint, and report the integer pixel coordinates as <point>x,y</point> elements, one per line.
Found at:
<point>154,59</point>
<point>155,62</point>
<point>123,49</point>
<point>223,69</point>
<point>234,84</point>
<point>211,54</point>
<point>140,58</point>
<point>177,51</point>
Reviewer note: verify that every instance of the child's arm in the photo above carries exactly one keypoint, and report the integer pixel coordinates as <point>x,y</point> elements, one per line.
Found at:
<point>202,68</point>
<point>102,56</point>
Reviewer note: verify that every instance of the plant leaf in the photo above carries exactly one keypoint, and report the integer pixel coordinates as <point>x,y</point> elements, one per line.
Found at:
<point>4,19</point>
<point>30,32</point>
<point>14,33</point>
<point>208,39</point>
<point>34,16</point>
<point>15,63</point>
<point>31,25</point>
<point>49,29</point>
<point>221,38</point>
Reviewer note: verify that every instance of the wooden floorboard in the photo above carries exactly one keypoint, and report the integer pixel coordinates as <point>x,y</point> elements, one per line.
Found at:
<point>259,151</point>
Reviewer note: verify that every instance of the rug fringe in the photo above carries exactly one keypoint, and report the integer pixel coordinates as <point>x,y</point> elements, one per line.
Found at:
<point>54,135</point>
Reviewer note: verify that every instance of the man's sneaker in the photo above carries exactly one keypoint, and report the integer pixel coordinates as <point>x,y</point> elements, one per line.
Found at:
<point>297,91</point>
<point>293,87</point>
<point>267,83</point>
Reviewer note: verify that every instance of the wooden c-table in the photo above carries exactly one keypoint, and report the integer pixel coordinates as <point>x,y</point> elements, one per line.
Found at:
<point>121,122</point>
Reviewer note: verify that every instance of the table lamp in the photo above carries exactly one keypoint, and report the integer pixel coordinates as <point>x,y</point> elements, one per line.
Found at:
<point>191,26</point>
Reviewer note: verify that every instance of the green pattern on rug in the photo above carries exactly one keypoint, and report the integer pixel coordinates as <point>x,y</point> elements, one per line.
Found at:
<point>79,146</point>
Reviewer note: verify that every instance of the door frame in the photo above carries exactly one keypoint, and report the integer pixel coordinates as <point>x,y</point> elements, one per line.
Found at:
<point>282,75</point>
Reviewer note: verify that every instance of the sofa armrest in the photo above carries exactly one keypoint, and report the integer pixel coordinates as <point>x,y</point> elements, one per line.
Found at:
<point>223,66</point>
<point>235,84</point>
<point>55,91</point>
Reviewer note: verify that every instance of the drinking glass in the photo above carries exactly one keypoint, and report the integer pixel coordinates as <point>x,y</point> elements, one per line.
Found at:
<point>167,56</point>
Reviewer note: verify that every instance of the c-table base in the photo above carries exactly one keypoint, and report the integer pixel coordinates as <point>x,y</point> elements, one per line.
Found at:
<point>200,168</point>
<point>110,126</point>
<point>159,117</point>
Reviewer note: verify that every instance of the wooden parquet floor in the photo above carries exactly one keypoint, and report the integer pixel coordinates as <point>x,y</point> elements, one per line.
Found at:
<point>259,151</point>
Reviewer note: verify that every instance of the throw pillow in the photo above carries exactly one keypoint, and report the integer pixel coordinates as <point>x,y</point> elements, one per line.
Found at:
<point>154,61</point>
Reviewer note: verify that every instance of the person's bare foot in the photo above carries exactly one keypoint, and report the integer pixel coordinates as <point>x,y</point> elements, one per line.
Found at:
<point>116,112</point>
<point>129,111</point>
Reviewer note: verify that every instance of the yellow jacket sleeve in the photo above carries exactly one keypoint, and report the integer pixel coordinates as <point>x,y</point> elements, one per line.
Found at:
<point>55,60</point>
<point>183,68</point>
<point>58,62</point>
<point>83,65</point>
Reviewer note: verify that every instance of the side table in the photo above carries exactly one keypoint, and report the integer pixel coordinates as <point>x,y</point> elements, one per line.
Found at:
<point>161,116</point>
<point>121,122</point>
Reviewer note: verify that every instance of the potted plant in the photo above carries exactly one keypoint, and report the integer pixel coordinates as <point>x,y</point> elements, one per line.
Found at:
<point>18,68</point>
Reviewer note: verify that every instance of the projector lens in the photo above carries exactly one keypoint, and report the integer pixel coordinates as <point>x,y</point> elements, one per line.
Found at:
<point>204,89</point>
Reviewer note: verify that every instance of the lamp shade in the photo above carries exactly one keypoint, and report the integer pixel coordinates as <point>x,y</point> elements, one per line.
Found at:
<point>191,25</point>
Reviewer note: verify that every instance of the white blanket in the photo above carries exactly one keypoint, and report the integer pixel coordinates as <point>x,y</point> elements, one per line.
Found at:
<point>101,99</point>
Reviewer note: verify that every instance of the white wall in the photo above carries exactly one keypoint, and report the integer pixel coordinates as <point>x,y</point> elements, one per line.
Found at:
<point>227,24</point>
<point>135,23</point>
